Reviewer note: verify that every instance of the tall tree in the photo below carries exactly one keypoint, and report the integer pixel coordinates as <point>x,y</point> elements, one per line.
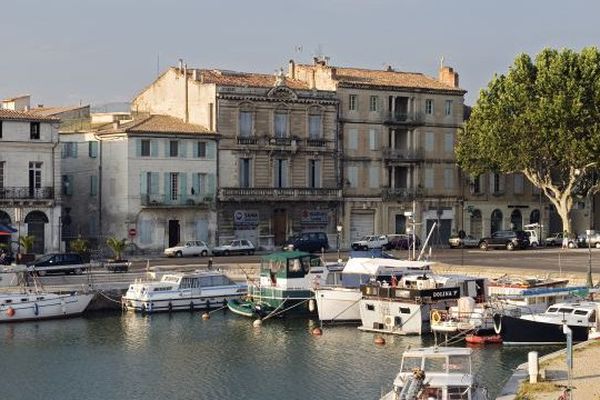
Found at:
<point>541,119</point>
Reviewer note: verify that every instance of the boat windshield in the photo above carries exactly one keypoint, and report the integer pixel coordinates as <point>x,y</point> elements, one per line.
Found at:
<point>410,363</point>
<point>435,364</point>
<point>458,392</point>
<point>459,365</point>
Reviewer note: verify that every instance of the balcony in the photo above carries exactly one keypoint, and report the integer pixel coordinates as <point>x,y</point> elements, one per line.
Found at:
<point>247,140</point>
<point>167,200</point>
<point>401,118</point>
<point>400,194</point>
<point>392,156</point>
<point>26,193</point>
<point>280,194</point>
<point>313,142</point>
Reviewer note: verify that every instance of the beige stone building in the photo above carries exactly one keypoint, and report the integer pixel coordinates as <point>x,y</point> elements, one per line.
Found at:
<point>278,152</point>
<point>398,132</point>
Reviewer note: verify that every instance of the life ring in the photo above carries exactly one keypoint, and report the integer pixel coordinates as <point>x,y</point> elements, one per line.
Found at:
<point>436,317</point>
<point>497,323</point>
<point>10,312</point>
<point>36,309</point>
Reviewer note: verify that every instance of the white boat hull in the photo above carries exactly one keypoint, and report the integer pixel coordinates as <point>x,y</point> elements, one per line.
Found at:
<point>39,306</point>
<point>177,303</point>
<point>338,304</point>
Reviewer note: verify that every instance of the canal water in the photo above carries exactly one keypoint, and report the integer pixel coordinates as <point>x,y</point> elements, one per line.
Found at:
<point>180,356</point>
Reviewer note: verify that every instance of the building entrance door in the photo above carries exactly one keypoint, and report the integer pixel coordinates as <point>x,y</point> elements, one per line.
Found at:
<point>279,226</point>
<point>173,232</point>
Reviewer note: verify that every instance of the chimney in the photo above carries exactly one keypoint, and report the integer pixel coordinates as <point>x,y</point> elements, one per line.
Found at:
<point>195,74</point>
<point>292,69</point>
<point>181,64</point>
<point>116,124</point>
<point>448,76</point>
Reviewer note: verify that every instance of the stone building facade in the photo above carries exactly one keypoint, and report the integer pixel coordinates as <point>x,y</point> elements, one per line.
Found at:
<point>278,154</point>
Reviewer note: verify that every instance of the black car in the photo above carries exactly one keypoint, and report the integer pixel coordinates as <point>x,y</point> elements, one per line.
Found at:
<point>311,242</point>
<point>68,263</point>
<point>510,240</point>
<point>401,241</point>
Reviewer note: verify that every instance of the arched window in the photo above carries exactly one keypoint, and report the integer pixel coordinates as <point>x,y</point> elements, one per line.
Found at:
<point>4,218</point>
<point>534,217</point>
<point>496,221</point>
<point>36,221</point>
<point>516,220</point>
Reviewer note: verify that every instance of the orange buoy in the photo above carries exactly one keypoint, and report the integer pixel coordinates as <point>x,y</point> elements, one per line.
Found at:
<point>10,312</point>
<point>317,331</point>
<point>205,316</point>
<point>379,340</point>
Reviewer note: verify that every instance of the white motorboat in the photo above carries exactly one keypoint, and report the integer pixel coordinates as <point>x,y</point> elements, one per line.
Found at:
<point>516,296</point>
<point>406,307</point>
<point>338,300</point>
<point>183,291</point>
<point>36,305</point>
<point>443,373</point>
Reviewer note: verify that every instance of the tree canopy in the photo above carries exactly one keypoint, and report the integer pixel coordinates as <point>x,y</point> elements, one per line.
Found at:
<point>541,119</point>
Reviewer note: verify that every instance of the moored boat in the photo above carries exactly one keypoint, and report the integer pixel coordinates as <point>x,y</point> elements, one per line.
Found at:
<point>183,291</point>
<point>39,305</point>
<point>443,373</point>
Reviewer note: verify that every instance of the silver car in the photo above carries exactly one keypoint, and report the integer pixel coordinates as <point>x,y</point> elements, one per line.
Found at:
<point>456,242</point>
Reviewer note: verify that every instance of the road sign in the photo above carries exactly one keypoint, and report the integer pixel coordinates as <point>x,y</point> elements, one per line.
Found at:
<point>132,232</point>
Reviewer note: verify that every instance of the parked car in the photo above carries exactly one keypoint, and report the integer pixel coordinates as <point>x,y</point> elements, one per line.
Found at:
<point>401,241</point>
<point>189,248</point>
<point>593,239</point>
<point>308,241</point>
<point>238,246</point>
<point>556,239</point>
<point>456,242</point>
<point>68,263</point>
<point>532,236</point>
<point>370,242</point>
<point>510,240</point>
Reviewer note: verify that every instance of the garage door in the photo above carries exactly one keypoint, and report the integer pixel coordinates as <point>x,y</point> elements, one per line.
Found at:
<point>361,224</point>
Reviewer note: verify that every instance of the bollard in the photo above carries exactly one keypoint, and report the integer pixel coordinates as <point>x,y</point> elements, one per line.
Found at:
<point>533,366</point>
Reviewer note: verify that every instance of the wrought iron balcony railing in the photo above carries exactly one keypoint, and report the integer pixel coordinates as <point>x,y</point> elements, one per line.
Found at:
<point>178,200</point>
<point>26,193</point>
<point>270,193</point>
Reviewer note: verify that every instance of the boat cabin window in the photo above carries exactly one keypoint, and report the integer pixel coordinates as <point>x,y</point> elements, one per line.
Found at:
<point>162,289</point>
<point>370,307</point>
<point>552,309</point>
<point>189,283</point>
<point>404,310</point>
<point>565,310</point>
<point>172,279</point>
<point>217,280</point>
<point>24,299</point>
<point>458,393</point>
<point>580,312</point>
<point>40,298</point>
<point>435,364</point>
<point>410,363</point>
<point>8,301</point>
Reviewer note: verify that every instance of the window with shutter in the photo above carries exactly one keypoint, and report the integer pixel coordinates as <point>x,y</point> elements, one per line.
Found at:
<point>353,139</point>
<point>245,122</point>
<point>281,124</point>
<point>315,126</point>
<point>373,177</point>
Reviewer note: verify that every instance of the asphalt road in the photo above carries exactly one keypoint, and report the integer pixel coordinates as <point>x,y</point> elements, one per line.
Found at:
<point>549,259</point>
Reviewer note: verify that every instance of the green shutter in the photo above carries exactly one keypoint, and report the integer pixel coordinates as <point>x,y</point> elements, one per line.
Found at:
<point>210,185</point>
<point>182,149</point>
<point>167,186</point>
<point>71,180</point>
<point>210,150</point>
<point>167,147</point>
<point>75,146</point>
<point>183,195</point>
<point>154,148</point>
<point>138,147</point>
<point>154,177</point>
<point>93,149</point>
<point>143,183</point>
<point>196,184</point>
<point>195,150</point>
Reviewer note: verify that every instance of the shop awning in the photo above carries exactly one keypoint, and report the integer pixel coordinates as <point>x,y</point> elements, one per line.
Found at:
<point>6,230</point>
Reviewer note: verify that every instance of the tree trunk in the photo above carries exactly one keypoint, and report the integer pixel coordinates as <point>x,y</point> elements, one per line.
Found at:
<point>564,212</point>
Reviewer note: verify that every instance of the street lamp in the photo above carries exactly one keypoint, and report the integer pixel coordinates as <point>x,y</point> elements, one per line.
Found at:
<point>339,232</point>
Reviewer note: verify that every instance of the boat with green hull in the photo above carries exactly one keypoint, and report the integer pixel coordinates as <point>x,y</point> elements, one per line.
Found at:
<point>284,287</point>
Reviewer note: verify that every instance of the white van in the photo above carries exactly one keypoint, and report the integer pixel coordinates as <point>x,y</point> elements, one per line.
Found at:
<point>531,230</point>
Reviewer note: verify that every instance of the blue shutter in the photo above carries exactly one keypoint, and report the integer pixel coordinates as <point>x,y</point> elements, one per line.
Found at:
<point>182,149</point>
<point>138,147</point>
<point>154,148</point>
<point>167,146</point>
<point>210,185</point>
<point>143,183</point>
<point>210,150</point>
<point>93,149</point>
<point>75,145</point>
<point>196,184</point>
<point>183,194</point>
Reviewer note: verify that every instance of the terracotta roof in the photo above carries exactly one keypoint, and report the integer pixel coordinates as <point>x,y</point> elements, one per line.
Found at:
<point>360,76</point>
<point>9,99</point>
<point>233,78</point>
<point>156,124</point>
<point>24,116</point>
<point>49,111</point>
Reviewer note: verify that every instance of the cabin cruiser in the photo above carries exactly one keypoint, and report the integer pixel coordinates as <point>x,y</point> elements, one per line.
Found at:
<point>182,291</point>
<point>516,296</point>
<point>33,305</point>
<point>338,300</point>
<point>443,373</point>
<point>546,327</point>
<point>406,306</point>
<point>284,287</point>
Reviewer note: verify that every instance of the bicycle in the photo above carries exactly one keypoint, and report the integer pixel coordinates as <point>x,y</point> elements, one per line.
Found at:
<point>566,394</point>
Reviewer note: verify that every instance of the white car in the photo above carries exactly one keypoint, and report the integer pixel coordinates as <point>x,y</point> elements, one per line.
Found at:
<point>189,248</point>
<point>238,246</point>
<point>370,242</point>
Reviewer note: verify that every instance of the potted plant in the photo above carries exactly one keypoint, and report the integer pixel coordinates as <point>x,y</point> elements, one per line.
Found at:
<point>25,243</point>
<point>117,246</point>
<point>81,247</point>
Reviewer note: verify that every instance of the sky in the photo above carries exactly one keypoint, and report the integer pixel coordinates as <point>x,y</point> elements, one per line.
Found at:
<point>67,52</point>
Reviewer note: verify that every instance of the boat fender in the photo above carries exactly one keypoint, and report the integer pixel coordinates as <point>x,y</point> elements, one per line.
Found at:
<point>311,305</point>
<point>191,306</point>
<point>150,307</point>
<point>497,323</point>
<point>436,317</point>
<point>170,306</point>
<point>10,312</point>
<point>36,309</point>
<point>207,303</point>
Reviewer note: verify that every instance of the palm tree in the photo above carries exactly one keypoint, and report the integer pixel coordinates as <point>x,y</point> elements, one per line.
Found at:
<point>117,246</point>
<point>79,245</point>
<point>27,242</point>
